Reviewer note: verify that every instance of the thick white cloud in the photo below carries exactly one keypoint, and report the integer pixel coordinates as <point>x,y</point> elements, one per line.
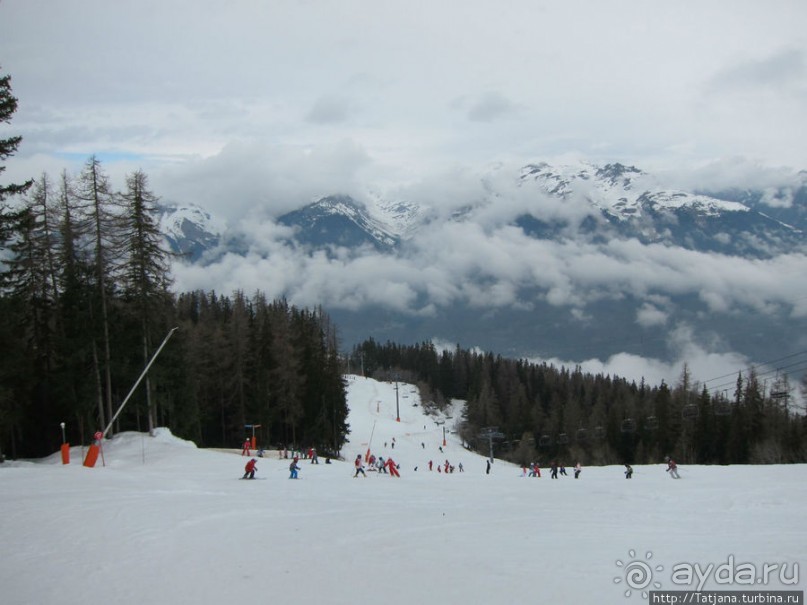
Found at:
<point>649,315</point>
<point>461,262</point>
<point>703,366</point>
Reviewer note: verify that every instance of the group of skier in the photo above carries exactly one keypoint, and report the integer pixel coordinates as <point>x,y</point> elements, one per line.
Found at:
<point>534,470</point>
<point>446,467</point>
<point>389,466</point>
<point>310,453</point>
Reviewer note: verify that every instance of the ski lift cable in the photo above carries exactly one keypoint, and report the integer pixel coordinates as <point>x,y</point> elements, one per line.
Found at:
<point>763,364</point>
<point>794,369</point>
<point>765,373</point>
<point>726,385</point>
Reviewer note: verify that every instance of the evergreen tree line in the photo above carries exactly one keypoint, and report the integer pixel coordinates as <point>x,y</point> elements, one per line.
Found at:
<point>85,303</point>
<point>536,412</point>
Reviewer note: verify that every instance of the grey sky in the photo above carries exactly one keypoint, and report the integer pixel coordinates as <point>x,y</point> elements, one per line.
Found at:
<point>203,89</point>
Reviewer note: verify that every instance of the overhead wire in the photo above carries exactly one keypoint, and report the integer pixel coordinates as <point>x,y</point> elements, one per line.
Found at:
<point>774,366</point>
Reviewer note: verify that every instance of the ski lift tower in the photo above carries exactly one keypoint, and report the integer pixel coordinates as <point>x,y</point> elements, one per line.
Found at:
<point>780,392</point>
<point>397,406</point>
<point>490,433</point>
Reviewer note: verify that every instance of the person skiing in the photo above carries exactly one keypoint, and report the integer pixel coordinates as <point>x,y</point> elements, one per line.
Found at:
<point>577,469</point>
<point>359,467</point>
<point>249,469</point>
<point>553,470</point>
<point>393,468</point>
<point>628,471</point>
<point>293,468</point>
<point>672,468</point>
<point>487,469</point>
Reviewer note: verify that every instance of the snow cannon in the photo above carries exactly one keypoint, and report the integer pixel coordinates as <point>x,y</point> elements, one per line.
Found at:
<point>95,449</point>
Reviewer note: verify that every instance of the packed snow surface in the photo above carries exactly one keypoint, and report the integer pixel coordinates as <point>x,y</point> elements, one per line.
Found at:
<point>161,521</point>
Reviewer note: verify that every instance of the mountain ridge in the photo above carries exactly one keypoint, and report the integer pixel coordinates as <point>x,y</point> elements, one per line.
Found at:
<point>623,199</point>
<point>569,261</point>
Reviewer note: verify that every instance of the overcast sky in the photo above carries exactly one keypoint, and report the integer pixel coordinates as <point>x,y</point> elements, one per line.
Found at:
<point>237,102</point>
<point>234,104</point>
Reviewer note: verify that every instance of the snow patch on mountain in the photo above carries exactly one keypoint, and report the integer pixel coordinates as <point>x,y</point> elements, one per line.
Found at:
<point>623,192</point>
<point>175,220</point>
<point>401,218</point>
<point>190,230</point>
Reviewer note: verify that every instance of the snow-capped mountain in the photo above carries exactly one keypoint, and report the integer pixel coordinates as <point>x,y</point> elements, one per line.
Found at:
<point>190,230</point>
<point>622,192</point>
<point>674,261</point>
<point>623,202</point>
<point>339,220</point>
<point>632,205</point>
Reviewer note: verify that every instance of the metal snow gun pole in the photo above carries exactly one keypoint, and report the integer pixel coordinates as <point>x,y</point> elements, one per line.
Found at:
<point>92,454</point>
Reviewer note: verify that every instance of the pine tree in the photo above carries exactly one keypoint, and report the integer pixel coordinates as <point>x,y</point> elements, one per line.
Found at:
<point>95,200</point>
<point>32,286</point>
<point>8,147</point>
<point>75,290</point>
<point>145,270</point>
<point>287,379</point>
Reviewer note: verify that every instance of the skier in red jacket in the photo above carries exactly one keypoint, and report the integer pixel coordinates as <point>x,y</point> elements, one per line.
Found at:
<point>359,465</point>
<point>393,468</point>
<point>249,469</point>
